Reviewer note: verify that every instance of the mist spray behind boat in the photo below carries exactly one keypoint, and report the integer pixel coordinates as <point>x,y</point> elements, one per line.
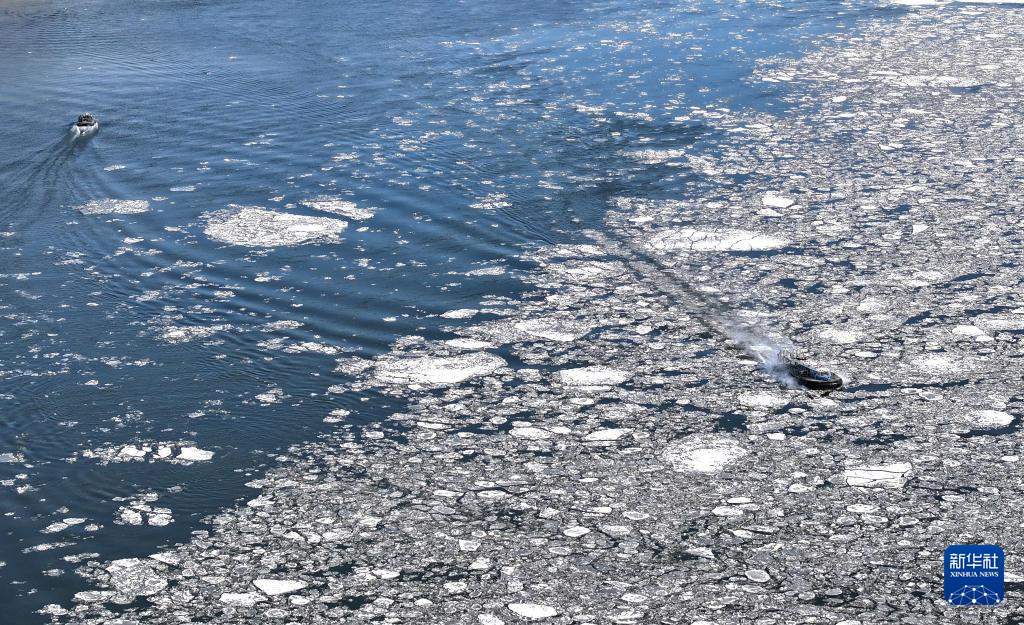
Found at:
<point>772,353</point>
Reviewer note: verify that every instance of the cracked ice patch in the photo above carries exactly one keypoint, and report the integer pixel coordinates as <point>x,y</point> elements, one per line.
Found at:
<point>114,207</point>
<point>878,476</point>
<point>679,239</point>
<point>438,369</point>
<point>258,227</point>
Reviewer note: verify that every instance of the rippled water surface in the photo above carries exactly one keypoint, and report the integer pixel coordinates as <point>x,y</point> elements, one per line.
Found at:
<point>276,185</point>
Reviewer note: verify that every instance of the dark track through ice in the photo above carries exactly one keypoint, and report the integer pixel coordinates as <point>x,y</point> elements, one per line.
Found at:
<point>710,312</point>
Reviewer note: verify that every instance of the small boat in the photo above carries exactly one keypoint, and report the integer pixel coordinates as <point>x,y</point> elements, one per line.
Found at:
<point>813,378</point>
<point>85,123</point>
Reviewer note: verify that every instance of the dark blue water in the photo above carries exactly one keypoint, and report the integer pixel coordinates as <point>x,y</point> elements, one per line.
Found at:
<point>471,130</point>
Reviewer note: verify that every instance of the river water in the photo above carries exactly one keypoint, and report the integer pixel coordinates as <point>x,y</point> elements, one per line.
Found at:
<point>277,185</point>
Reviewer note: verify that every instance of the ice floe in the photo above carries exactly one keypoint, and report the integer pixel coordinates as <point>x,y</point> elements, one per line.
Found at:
<point>139,511</point>
<point>878,476</point>
<point>469,344</point>
<point>531,433</point>
<point>764,401</point>
<point>184,334</point>
<point>438,369</point>
<point>703,454</point>
<point>680,239</point>
<point>533,611</point>
<point>776,201</point>
<point>11,458</point>
<point>132,577</point>
<point>338,206</point>
<point>272,395</point>
<point>258,227</point>
<point>337,415</point>
<point>593,376</point>
<point>938,364</point>
<point>114,207</point>
<point>194,454</point>
<point>973,332</point>
<point>62,525</point>
<point>179,453</point>
<point>242,599</point>
<point>275,587</point>
<point>989,418</point>
<point>554,329</point>
<point>460,313</point>
<point>609,434</point>
<point>840,336</point>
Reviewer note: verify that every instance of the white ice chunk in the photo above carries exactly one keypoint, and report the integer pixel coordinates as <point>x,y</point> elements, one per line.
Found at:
<point>842,337</point>
<point>270,396</point>
<point>878,476</point>
<point>989,418</point>
<point>676,239</point>
<point>703,454</point>
<point>972,331</point>
<point>279,586</point>
<point>259,227</point>
<point>131,451</point>
<point>182,334</point>
<point>160,519</point>
<point>194,454</point>
<point>936,364</point>
<point>533,610</point>
<point>762,400</point>
<point>460,313</point>
<point>473,344</point>
<point>337,415</point>
<point>530,433</point>
<point>871,305</point>
<point>167,558</point>
<point>554,329</point>
<point>338,206</point>
<point>776,201</point>
<point>611,434</point>
<point>438,370</point>
<point>93,596</point>
<point>593,376</point>
<point>1000,322</point>
<point>114,207</point>
<point>244,599</point>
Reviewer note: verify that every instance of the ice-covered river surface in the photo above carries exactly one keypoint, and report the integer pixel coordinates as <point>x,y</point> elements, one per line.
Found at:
<point>450,312</point>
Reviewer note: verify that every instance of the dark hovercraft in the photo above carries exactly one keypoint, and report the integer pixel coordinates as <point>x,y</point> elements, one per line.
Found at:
<point>819,380</point>
<point>85,124</point>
